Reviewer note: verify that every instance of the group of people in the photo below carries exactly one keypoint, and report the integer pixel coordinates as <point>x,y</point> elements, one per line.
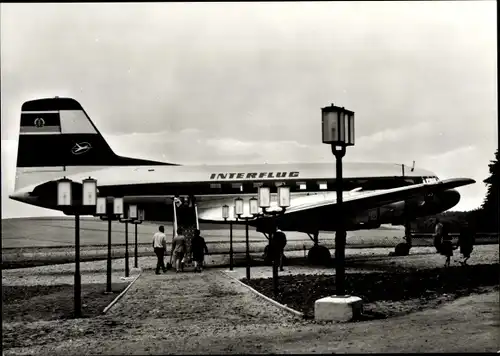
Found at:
<point>442,242</point>
<point>179,250</point>
<point>444,245</point>
<point>199,249</point>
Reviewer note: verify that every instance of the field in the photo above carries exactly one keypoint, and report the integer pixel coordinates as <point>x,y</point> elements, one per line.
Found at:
<point>59,232</point>
<point>28,242</point>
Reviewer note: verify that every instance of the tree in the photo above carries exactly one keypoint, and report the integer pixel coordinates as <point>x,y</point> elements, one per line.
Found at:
<point>490,208</point>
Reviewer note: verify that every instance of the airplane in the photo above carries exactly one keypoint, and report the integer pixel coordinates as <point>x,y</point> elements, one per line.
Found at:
<point>58,139</point>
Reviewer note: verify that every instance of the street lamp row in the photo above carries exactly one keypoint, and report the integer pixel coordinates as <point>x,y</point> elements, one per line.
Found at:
<point>89,200</point>
<point>263,202</point>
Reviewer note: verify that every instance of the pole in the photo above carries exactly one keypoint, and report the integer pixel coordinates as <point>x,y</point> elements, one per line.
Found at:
<point>108,274</point>
<point>275,266</point>
<point>135,250</point>
<point>231,246</point>
<point>248,250</point>
<point>127,271</point>
<point>78,291</point>
<point>340,234</point>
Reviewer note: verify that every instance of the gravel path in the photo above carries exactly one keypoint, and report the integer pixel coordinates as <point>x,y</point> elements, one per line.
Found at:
<point>171,309</point>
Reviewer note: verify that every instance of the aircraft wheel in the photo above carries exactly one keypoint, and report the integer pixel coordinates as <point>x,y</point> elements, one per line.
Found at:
<point>319,256</point>
<point>402,249</point>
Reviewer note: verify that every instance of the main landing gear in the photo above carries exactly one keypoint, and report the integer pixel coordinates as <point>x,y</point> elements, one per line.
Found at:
<point>403,249</point>
<point>318,255</point>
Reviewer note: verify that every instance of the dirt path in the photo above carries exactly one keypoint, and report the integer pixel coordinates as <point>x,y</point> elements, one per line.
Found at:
<point>208,313</point>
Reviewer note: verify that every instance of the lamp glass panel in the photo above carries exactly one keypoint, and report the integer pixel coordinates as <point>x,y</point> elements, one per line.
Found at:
<point>346,126</point>
<point>100,206</point>
<point>118,206</point>
<point>64,193</point>
<point>225,211</point>
<point>284,197</point>
<point>351,129</point>
<point>89,192</point>
<point>141,214</point>
<point>330,127</point>
<point>254,206</point>
<point>342,126</point>
<point>238,204</point>
<point>264,197</point>
<point>132,211</point>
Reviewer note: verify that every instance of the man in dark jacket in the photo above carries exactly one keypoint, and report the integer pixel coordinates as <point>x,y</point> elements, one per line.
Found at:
<point>279,243</point>
<point>438,235</point>
<point>199,248</point>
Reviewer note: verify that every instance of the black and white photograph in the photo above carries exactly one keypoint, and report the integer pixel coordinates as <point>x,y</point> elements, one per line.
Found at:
<point>249,177</point>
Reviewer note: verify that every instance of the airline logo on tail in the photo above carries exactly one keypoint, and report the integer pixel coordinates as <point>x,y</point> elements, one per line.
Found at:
<point>80,148</point>
<point>39,122</point>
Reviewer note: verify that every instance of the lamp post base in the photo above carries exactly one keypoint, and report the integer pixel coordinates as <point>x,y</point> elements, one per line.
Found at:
<point>338,308</point>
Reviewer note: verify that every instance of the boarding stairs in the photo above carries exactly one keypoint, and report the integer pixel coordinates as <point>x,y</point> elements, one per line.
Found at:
<point>186,217</point>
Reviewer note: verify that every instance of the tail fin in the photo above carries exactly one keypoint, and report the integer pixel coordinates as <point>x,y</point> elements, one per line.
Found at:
<point>56,134</point>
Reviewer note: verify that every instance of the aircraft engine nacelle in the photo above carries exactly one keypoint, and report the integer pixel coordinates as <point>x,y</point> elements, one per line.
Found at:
<point>373,218</point>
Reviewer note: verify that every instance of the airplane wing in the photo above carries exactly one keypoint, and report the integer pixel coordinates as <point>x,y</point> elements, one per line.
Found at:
<point>369,200</point>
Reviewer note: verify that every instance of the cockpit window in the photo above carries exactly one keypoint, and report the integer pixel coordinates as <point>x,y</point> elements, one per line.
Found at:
<point>432,179</point>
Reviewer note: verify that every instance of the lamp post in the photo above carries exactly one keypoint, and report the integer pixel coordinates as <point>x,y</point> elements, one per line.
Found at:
<point>225,215</point>
<point>65,199</point>
<point>101,211</point>
<point>283,201</point>
<point>118,207</point>
<point>132,215</point>
<point>139,220</point>
<point>238,209</point>
<point>126,220</point>
<point>338,131</point>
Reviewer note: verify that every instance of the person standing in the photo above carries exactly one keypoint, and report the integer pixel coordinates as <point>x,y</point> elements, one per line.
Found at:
<point>466,242</point>
<point>198,248</point>
<point>438,235</point>
<point>446,244</point>
<point>160,248</point>
<point>178,249</point>
<point>279,241</point>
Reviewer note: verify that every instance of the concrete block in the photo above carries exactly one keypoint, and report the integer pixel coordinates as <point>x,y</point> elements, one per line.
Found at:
<point>338,308</point>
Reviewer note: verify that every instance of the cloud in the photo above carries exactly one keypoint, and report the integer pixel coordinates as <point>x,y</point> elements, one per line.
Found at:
<point>244,82</point>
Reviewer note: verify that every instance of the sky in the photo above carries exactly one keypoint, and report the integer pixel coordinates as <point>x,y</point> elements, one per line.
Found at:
<point>202,83</point>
